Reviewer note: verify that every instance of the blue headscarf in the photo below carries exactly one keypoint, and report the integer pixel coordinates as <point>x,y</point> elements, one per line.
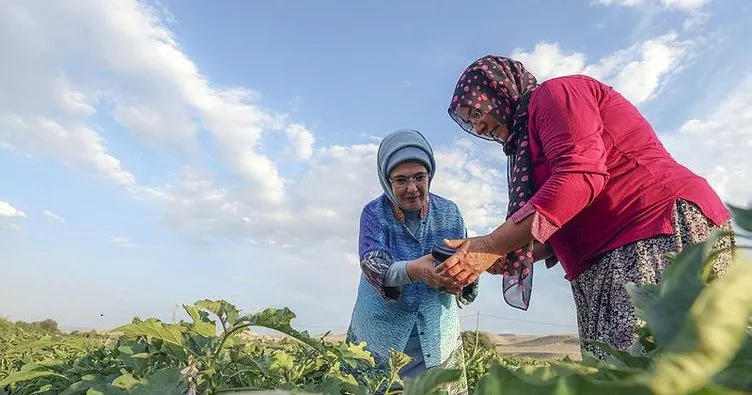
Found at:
<point>400,146</point>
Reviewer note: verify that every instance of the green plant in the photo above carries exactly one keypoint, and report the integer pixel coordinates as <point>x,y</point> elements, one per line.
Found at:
<point>696,341</point>
<point>474,339</point>
<point>210,354</point>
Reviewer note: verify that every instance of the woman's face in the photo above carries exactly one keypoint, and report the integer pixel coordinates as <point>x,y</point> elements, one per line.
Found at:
<point>484,124</point>
<point>409,182</point>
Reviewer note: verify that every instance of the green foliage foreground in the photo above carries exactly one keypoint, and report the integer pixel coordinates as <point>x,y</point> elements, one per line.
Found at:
<point>695,342</point>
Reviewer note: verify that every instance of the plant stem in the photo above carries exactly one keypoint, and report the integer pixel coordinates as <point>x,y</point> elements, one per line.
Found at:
<point>213,362</point>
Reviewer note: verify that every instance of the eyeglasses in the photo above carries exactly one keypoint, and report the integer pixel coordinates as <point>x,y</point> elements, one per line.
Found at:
<point>402,181</point>
<point>468,125</point>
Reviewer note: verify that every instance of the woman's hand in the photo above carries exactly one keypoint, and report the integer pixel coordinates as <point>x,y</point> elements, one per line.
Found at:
<point>541,251</point>
<point>474,256</point>
<point>424,269</point>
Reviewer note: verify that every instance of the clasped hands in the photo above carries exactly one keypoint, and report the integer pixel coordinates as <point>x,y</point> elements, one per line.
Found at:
<point>474,256</point>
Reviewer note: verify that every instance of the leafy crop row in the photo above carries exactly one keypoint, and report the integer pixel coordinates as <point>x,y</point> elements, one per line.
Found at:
<point>696,341</point>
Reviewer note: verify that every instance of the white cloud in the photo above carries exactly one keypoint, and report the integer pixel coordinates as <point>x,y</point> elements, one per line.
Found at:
<point>637,71</point>
<point>302,140</point>
<point>695,20</point>
<point>12,148</point>
<point>684,5</point>
<point>72,144</point>
<point>718,145</point>
<point>7,146</point>
<point>326,202</point>
<point>157,93</point>
<point>133,70</point>
<point>548,60</point>
<point>122,242</point>
<point>651,10</point>
<point>158,124</point>
<point>477,186</point>
<point>6,210</point>
<point>53,218</point>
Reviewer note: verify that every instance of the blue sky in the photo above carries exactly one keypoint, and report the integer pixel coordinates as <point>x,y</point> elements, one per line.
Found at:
<point>158,153</point>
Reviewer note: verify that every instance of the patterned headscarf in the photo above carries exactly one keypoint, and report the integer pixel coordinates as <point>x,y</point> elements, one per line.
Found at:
<point>502,87</point>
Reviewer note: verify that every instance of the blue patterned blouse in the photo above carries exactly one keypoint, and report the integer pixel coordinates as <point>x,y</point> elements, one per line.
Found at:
<point>384,317</point>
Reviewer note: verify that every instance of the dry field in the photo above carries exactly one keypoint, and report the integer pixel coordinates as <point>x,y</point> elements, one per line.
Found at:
<point>530,346</point>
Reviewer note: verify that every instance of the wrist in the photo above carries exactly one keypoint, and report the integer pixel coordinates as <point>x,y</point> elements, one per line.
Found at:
<point>413,271</point>
<point>491,245</point>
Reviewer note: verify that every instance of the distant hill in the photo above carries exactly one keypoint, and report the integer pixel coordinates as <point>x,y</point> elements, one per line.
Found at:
<point>538,347</point>
<point>531,346</point>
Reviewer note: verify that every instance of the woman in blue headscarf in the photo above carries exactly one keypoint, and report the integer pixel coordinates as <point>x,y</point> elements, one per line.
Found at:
<point>403,302</point>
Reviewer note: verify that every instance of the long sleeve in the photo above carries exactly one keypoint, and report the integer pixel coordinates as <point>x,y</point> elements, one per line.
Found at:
<point>375,261</point>
<point>397,274</point>
<point>566,119</point>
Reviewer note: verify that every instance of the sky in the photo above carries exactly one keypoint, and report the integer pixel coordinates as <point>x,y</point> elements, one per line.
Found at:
<point>157,153</point>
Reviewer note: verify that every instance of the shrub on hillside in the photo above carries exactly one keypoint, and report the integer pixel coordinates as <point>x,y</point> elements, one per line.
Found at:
<point>482,340</point>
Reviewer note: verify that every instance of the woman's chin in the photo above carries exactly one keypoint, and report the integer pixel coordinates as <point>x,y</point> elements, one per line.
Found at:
<point>411,204</point>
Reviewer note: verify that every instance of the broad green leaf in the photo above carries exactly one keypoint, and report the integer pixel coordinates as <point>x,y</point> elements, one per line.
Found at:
<point>86,382</point>
<point>589,359</point>
<point>208,329</point>
<point>225,311</point>
<point>43,389</point>
<point>664,306</point>
<point>397,361</point>
<point>335,384</point>
<point>556,370</point>
<point>545,374</point>
<point>268,392</point>
<point>717,390</point>
<point>742,216</point>
<point>203,345</point>
<point>124,381</point>
<point>51,363</point>
<point>623,358</point>
<point>23,375</point>
<point>645,344</point>
<point>279,320</point>
<point>737,376</point>
<point>281,362</point>
<point>32,367</point>
<point>201,322</point>
<point>256,364</point>
<point>170,333</point>
<point>354,354</point>
<point>175,351</point>
<point>500,380</point>
<point>709,337</point>
<point>49,342</point>
<point>431,380</point>
<point>675,276</point>
<point>738,373</point>
<point>133,355</point>
<point>603,372</point>
<point>167,381</point>
<point>105,389</point>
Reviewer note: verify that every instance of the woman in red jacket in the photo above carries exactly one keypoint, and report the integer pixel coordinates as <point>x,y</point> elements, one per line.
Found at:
<point>590,186</point>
